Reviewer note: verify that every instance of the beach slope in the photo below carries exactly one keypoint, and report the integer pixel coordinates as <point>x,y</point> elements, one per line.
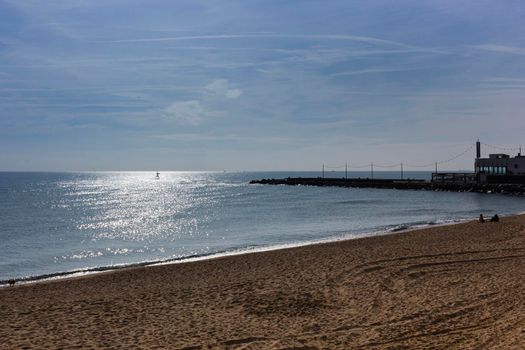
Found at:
<point>449,287</point>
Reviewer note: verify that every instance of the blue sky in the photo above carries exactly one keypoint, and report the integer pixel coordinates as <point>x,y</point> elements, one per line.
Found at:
<point>256,85</point>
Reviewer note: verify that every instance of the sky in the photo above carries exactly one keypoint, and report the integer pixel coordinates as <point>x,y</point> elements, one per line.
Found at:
<point>258,85</point>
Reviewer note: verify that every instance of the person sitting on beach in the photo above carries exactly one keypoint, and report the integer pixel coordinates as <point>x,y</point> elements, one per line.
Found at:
<point>495,218</point>
<point>481,219</point>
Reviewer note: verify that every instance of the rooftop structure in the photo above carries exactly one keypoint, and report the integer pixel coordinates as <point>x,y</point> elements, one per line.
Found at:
<point>499,167</point>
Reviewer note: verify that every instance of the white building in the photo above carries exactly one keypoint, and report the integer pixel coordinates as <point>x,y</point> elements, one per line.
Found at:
<point>499,168</point>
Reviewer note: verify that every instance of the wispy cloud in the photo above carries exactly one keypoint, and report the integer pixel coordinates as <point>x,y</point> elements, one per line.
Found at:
<point>365,39</point>
<point>505,80</point>
<point>501,49</point>
<point>227,137</point>
<point>374,71</point>
<point>221,87</point>
<point>186,112</point>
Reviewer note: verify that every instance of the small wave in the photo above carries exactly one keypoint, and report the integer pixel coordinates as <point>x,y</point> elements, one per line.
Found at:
<point>361,201</point>
<point>78,272</point>
<point>423,224</point>
<point>399,228</point>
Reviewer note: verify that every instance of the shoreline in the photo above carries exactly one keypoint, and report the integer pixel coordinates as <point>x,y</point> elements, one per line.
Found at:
<point>452,286</point>
<point>61,275</point>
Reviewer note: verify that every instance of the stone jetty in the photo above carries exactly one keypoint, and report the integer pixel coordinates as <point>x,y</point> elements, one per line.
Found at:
<point>407,184</point>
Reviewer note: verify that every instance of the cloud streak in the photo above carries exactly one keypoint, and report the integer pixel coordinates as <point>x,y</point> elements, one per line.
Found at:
<point>500,49</point>
<point>364,39</point>
<point>374,71</point>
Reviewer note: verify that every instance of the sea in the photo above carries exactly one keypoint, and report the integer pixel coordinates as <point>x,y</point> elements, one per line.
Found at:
<point>55,224</point>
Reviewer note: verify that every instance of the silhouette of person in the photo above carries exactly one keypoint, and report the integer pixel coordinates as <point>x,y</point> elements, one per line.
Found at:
<point>481,219</point>
<point>495,218</point>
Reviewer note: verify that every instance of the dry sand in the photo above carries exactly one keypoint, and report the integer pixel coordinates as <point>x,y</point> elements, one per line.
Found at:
<point>450,287</point>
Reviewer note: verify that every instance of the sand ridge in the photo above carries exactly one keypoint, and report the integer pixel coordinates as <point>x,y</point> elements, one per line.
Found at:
<point>449,287</point>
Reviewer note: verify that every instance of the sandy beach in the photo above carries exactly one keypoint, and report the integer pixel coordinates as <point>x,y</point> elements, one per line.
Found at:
<point>449,287</point>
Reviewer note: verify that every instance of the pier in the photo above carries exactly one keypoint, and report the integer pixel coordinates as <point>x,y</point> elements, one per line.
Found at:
<point>407,184</point>
<point>499,173</point>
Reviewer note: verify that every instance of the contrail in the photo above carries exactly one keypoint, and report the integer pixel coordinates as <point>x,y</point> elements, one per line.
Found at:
<point>275,36</point>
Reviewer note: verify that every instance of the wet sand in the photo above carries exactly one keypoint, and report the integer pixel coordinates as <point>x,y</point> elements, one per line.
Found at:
<point>451,287</point>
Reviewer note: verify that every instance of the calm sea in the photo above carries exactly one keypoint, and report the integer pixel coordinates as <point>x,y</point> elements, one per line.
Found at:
<point>55,223</point>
